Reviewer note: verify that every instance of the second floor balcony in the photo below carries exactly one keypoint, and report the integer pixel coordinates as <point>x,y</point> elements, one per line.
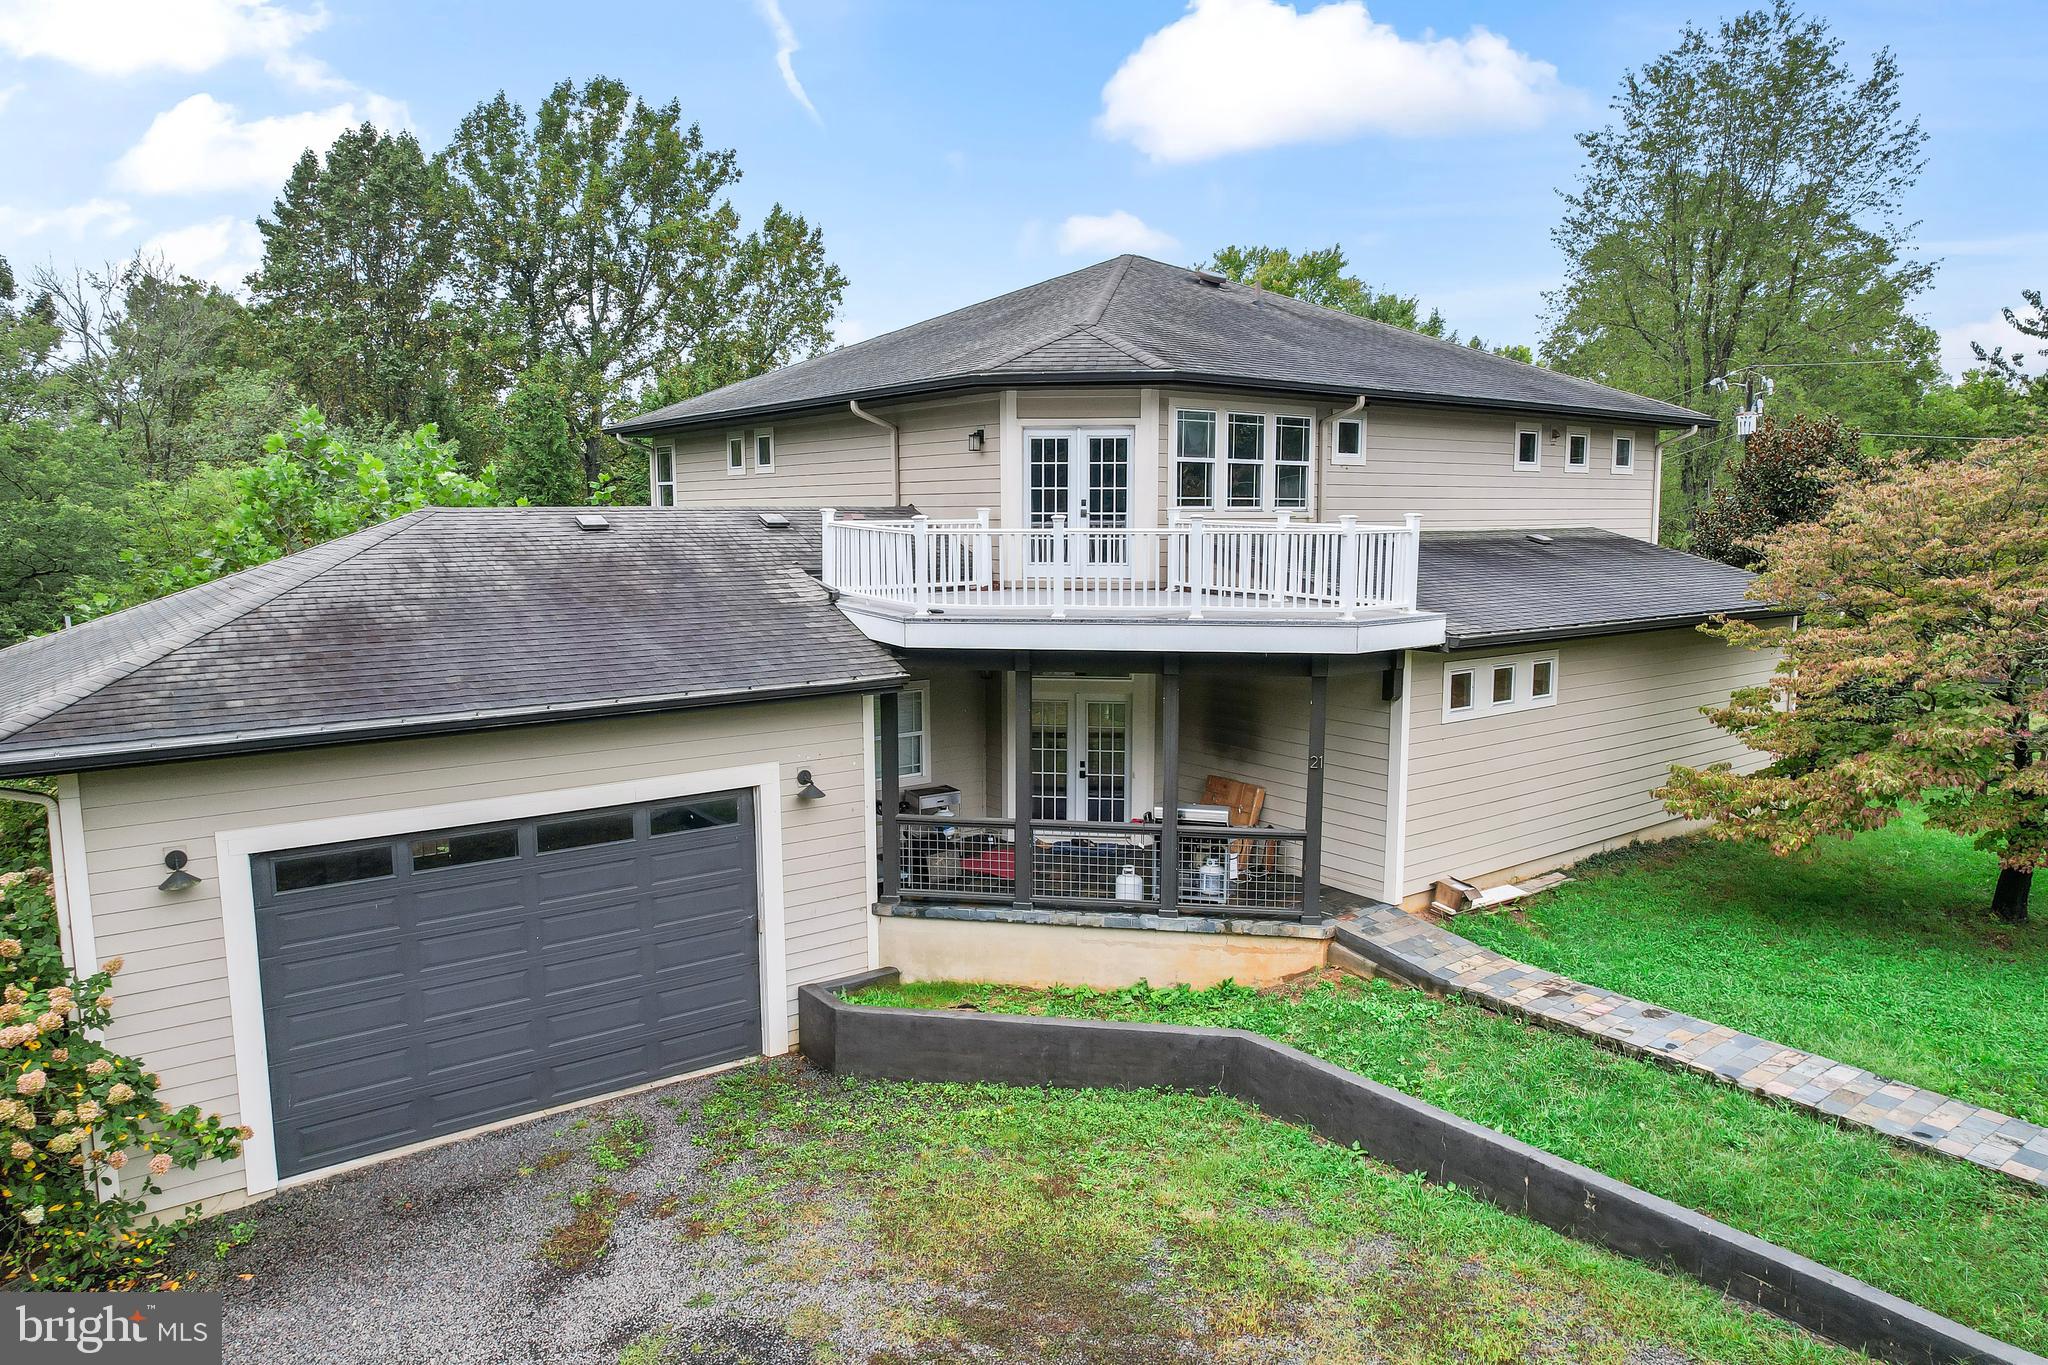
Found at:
<point>1275,585</point>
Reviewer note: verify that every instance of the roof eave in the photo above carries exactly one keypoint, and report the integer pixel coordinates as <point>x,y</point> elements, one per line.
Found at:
<point>1456,642</point>
<point>652,424</point>
<point>52,759</point>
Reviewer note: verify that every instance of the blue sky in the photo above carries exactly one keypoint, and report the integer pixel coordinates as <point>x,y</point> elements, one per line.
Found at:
<point>954,150</point>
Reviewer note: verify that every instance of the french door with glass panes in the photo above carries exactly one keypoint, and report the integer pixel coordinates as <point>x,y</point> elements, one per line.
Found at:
<point>1084,475</point>
<point>1081,756</point>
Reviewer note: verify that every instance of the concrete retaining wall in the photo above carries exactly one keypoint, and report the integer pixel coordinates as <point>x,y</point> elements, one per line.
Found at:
<point>931,1045</point>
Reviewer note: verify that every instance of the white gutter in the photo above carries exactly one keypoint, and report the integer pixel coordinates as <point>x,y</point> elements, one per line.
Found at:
<point>1357,406</point>
<point>895,449</point>
<point>60,885</point>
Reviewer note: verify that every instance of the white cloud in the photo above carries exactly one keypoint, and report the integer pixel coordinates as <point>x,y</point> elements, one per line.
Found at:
<point>93,217</point>
<point>123,37</point>
<point>1956,355</point>
<point>1238,75</point>
<point>1111,234</point>
<point>785,48</point>
<point>201,144</point>
<point>7,94</point>
<point>221,251</point>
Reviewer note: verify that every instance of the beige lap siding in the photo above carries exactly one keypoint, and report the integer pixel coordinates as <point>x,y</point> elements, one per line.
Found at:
<point>173,995</point>
<point>1506,791</point>
<point>1255,729</point>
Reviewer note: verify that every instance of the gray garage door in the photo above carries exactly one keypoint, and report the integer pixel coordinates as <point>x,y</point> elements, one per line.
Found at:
<point>430,983</point>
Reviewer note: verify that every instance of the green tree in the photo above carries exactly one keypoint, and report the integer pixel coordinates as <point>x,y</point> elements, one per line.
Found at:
<point>600,233</point>
<point>1743,207</point>
<point>62,479</point>
<point>542,462</point>
<point>1322,276</point>
<point>1918,672</point>
<point>1789,473</point>
<point>352,297</point>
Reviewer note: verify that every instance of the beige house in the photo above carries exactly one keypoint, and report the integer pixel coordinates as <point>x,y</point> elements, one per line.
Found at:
<point>1130,625</point>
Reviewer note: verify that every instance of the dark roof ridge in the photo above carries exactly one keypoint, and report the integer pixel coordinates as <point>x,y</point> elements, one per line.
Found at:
<point>90,681</point>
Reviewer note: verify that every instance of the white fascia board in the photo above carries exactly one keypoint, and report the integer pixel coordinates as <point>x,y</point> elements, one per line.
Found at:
<point>1109,635</point>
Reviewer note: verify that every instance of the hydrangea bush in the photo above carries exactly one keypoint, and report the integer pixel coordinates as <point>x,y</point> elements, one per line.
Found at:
<point>74,1113</point>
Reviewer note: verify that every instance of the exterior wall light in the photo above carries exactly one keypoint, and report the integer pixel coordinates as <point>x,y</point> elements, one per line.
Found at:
<point>974,439</point>
<point>180,879</point>
<point>807,790</point>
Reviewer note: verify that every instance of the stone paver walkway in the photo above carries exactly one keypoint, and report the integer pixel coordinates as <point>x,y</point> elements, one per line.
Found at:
<point>1424,955</point>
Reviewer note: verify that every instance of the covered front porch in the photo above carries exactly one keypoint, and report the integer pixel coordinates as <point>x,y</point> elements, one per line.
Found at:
<point>1050,776</point>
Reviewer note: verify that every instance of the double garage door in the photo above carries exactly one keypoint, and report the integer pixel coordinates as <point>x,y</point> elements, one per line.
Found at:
<point>426,984</point>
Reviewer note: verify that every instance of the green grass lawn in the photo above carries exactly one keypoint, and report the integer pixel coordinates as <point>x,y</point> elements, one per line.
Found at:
<point>1962,1241</point>
<point>1879,952</point>
<point>1141,1228</point>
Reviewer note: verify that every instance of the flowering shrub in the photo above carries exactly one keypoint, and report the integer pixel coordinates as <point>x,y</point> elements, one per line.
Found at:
<point>74,1113</point>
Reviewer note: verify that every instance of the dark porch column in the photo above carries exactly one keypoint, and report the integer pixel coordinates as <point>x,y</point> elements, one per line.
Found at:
<point>1312,846</point>
<point>1020,773</point>
<point>887,738</point>
<point>1168,878</point>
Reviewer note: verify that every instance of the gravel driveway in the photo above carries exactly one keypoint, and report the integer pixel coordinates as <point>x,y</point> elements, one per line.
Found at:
<point>445,1256</point>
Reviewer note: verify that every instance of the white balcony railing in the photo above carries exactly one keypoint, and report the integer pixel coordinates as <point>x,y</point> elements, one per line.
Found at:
<point>1191,568</point>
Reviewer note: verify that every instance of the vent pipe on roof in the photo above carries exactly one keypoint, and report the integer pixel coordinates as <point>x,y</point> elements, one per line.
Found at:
<point>895,449</point>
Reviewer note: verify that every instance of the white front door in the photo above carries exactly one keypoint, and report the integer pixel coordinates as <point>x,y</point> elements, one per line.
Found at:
<point>1081,755</point>
<point>1084,475</point>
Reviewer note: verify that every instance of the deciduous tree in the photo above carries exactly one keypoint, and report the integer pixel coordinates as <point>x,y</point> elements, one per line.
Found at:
<point>1789,473</point>
<point>1918,672</point>
<point>1744,206</point>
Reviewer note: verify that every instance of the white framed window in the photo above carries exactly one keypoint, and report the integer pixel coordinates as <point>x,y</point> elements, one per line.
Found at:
<point>913,747</point>
<point>664,475</point>
<point>1500,685</point>
<point>1243,461</point>
<point>764,450</point>
<point>1624,453</point>
<point>1578,450</point>
<point>1194,458</point>
<point>1292,441</point>
<point>1349,442</point>
<point>736,453</point>
<point>1528,447</point>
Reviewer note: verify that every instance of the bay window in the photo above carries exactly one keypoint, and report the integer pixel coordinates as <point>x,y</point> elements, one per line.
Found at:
<point>1245,469</point>
<point>1194,459</point>
<point>1242,461</point>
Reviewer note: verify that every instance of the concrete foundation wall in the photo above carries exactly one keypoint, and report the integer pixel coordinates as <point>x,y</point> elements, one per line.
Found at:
<point>1105,959</point>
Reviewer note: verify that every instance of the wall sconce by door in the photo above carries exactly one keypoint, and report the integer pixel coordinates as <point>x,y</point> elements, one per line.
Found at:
<point>180,879</point>
<point>807,790</point>
<point>974,440</point>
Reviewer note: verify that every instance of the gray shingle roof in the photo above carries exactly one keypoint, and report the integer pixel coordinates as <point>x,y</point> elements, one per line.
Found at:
<point>1134,320</point>
<point>446,619</point>
<point>1498,587</point>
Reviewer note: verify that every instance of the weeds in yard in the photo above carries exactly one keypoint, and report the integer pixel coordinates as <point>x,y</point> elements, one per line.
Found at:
<point>649,1348</point>
<point>580,1242</point>
<point>238,1235</point>
<point>622,1143</point>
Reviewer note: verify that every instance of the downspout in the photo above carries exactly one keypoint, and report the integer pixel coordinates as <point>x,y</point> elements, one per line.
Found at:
<point>895,449</point>
<point>1657,485</point>
<point>1357,406</point>
<point>60,882</point>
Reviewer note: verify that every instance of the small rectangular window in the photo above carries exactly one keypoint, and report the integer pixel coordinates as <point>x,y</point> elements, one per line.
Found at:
<point>1461,690</point>
<point>1350,442</point>
<point>309,870</point>
<point>455,850</point>
<point>1503,685</point>
<point>705,814</point>
<point>735,455</point>
<point>1542,677</point>
<point>1528,448</point>
<point>664,475</point>
<point>1578,450</point>
<point>586,831</point>
<point>1291,455</point>
<point>1194,459</point>
<point>910,736</point>
<point>764,450</point>
<point>1624,453</point>
<point>1245,476</point>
